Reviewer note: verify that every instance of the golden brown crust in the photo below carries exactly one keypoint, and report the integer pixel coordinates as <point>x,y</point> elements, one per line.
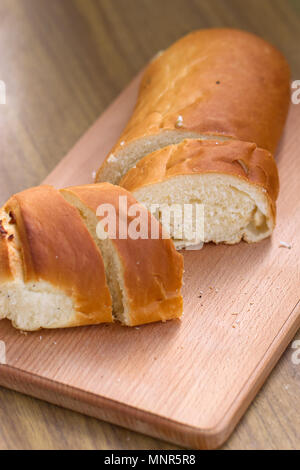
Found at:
<point>152,268</point>
<point>57,248</point>
<point>223,82</point>
<point>5,270</point>
<point>236,158</point>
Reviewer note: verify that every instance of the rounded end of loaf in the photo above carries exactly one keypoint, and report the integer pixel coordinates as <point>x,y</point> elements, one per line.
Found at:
<point>213,83</point>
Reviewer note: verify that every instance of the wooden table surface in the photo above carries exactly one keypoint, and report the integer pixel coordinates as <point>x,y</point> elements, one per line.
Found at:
<point>63,62</point>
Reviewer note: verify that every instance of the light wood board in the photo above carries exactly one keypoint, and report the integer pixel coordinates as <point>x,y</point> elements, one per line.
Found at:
<point>185,381</point>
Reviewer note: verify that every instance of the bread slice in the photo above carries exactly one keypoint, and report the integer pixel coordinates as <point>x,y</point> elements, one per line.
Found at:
<point>211,84</point>
<point>51,272</point>
<point>235,182</point>
<point>144,274</point>
<point>120,161</point>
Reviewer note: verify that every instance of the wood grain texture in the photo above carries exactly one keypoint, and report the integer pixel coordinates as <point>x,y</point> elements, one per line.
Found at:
<point>63,63</point>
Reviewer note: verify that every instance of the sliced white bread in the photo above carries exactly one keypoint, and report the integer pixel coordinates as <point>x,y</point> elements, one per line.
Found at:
<point>144,274</point>
<point>51,272</point>
<point>235,182</point>
<point>53,275</point>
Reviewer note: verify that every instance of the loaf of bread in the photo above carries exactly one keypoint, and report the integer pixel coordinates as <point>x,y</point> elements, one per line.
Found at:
<point>214,84</point>
<point>144,274</point>
<point>55,273</point>
<point>236,182</point>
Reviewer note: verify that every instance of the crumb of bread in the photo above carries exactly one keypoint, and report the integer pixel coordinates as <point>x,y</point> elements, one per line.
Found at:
<point>94,174</point>
<point>179,122</point>
<point>111,158</point>
<point>285,245</point>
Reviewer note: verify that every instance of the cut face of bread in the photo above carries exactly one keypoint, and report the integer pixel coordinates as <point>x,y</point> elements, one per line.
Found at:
<point>234,183</point>
<point>30,306</point>
<point>54,275</point>
<point>144,275</point>
<point>233,209</point>
<point>120,162</point>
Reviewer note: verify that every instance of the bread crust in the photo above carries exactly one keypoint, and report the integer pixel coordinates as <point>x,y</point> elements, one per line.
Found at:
<point>232,157</point>
<point>236,158</point>
<point>152,269</point>
<point>5,270</point>
<point>219,82</point>
<point>57,248</point>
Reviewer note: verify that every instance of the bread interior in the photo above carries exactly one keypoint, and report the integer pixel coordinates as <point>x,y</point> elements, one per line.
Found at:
<point>119,164</point>
<point>233,209</point>
<point>31,305</point>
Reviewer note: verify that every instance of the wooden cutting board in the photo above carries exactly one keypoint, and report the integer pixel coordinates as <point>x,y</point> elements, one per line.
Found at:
<point>185,381</point>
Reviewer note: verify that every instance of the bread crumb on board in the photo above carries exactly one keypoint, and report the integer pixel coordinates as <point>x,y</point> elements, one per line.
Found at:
<point>285,245</point>
<point>111,158</point>
<point>179,122</point>
<point>211,288</point>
